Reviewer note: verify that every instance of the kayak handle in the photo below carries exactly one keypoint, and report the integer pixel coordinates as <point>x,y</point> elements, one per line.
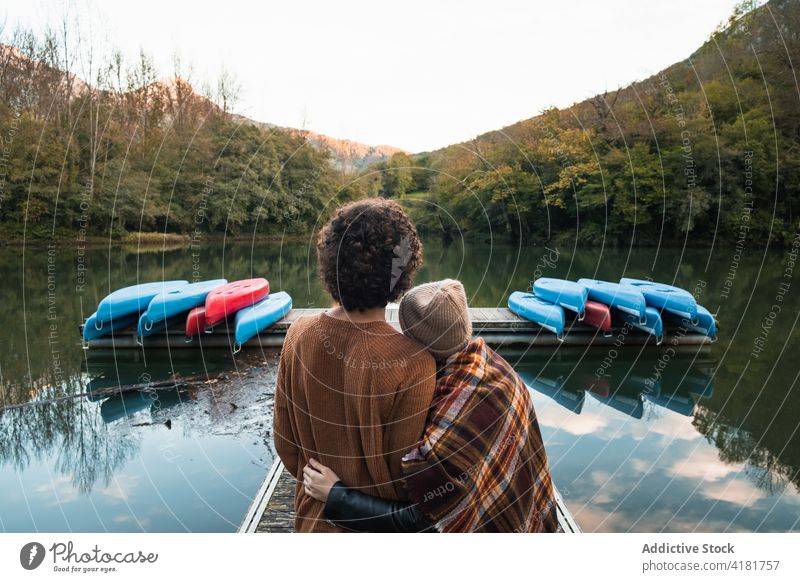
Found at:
<point>148,324</point>
<point>188,339</point>
<point>237,347</point>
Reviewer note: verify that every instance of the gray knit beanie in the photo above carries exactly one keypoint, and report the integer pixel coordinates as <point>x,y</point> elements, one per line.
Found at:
<point>436,315</point>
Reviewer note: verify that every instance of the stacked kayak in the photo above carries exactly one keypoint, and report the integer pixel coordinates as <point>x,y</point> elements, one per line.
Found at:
<point>172,303</point>
<point>232,297</point>
<point>546,314</point>
<point>652,323</point>
<point>161,306</point>
<point>133,299</point>
<point>251,320</point>
<point>665,297</point>
<point>121,308</point>
<point>567,294</point>
<point>625,299</point>
<point>645,305</point>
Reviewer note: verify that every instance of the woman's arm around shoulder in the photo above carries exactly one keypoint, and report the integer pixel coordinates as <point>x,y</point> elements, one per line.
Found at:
<point>355,511</point>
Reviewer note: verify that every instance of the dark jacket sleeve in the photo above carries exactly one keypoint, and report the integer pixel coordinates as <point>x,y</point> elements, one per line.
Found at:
<point>349,509</point>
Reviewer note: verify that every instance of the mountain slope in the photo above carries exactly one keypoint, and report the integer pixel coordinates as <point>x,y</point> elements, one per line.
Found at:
<point>699,153</point>
<point>346,155</point>
<point>79,161</point>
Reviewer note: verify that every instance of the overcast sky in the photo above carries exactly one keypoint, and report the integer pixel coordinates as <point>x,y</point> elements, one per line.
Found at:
<point>414,74</point>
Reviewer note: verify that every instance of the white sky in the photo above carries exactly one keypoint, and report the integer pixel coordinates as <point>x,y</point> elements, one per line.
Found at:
<point>414,74</point>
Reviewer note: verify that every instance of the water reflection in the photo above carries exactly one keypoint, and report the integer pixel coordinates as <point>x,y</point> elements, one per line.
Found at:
<point>70,432</point>
<point>640,422</point>
<point>86,446</point>
<point>625,382</point>
<point>714,433</point>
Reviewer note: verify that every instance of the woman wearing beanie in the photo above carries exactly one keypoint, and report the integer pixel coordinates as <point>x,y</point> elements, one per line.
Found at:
<point>480,465</point>
<point>352,391</point>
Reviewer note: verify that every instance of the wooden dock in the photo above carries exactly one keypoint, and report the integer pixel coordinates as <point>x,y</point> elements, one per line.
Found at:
<point>272,510</point>
<point>498,326</point>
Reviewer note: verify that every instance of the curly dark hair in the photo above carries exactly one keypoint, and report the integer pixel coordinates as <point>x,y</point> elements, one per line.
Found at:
<point>367,254</point>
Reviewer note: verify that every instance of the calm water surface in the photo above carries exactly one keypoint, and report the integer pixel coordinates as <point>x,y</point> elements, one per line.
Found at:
<point>643,439</point>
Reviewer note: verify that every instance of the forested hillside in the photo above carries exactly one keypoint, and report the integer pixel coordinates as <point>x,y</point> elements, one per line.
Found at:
<point>707,148</point>
<point>126,152</point>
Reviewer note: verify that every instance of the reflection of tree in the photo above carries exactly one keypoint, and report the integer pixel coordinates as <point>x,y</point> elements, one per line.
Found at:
<point>85,448</point>
<point>770,458</point>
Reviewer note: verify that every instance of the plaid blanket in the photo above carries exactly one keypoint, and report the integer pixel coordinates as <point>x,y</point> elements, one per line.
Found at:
<point>480,465</point>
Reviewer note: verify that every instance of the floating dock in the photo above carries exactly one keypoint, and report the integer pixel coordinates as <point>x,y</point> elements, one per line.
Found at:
<point>272,510</point>
<point>498,326</point>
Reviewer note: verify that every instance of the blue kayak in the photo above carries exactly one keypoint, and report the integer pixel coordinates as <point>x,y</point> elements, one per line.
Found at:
<point>652,323</point>
<point>704,322</point>
<point>572,401</point>
<point>94,329</point>
<point>625,298</point>
<point>129,403</point>
<point>676,402</point>
<point>177,301</point>
<point>529,306</point>
<point>567,294</point>
<point>133,299</point>
<point>667,297</point>
<point>630,405</point>
<point>174,323</point>
<point>251,320</point>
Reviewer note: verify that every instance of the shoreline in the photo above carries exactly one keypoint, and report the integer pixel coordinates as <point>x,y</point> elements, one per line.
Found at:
<point>171,241</point>
<point>147,240</point>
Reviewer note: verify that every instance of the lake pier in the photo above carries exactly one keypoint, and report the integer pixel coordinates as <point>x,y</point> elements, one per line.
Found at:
<point>498,326</point>
<point>272,510</point>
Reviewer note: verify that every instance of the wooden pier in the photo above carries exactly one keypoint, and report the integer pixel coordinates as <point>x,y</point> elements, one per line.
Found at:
<point>498,326</point>
<point>272,510</point>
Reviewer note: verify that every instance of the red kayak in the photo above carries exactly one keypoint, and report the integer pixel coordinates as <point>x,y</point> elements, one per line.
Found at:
<point>230,298</point>
<point>598,315</point>
<point>196,321</point>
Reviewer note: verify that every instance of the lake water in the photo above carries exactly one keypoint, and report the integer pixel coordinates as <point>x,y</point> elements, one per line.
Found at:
<point>639,439</point>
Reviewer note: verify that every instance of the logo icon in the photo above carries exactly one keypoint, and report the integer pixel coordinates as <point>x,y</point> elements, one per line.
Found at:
<point>31,555</point>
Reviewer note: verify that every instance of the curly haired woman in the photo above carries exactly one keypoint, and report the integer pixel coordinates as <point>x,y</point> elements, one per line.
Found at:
<point>352,391</point>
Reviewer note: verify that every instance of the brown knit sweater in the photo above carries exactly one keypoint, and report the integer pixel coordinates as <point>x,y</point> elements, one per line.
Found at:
<point>354,396</point>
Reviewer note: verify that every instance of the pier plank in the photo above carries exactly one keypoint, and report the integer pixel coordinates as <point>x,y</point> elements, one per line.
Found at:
<point>272,511</point>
